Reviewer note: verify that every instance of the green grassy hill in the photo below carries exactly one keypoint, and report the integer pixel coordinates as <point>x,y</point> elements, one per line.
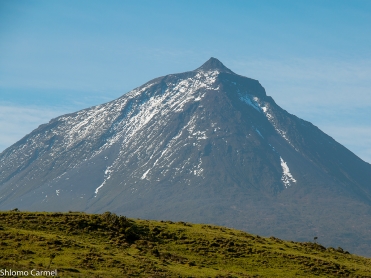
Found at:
<point>107,245</point>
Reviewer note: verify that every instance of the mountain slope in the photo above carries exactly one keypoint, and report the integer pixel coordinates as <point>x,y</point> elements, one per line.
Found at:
<point>204,146</point>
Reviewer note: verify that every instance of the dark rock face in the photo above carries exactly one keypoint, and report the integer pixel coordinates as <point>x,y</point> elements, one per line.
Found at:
<point>204,146</point>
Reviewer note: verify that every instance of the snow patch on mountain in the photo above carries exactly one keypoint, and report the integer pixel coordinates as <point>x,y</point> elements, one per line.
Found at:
<point>174,98</point>
<point>257,131</point>
<point>250,100</point>
<point>265,107</point>
<point>200,135</point>
<point>116,122</point>
<point>145,174</point>
<point>165,155</point>
<point>198,170</point>
<point>287,177</point>
<point>107,176</point>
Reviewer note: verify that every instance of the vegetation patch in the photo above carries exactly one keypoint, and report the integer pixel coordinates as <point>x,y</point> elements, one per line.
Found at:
<point>107,245</point>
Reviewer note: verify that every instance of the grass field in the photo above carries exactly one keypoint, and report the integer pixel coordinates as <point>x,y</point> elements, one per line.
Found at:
<point>107,245</point>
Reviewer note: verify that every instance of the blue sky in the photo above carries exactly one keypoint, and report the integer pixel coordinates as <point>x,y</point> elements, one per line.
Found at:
<point>313,57</point>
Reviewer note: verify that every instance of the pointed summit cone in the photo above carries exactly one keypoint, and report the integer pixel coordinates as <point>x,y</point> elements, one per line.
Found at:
<point>214,64</point>
<point>205,146</point>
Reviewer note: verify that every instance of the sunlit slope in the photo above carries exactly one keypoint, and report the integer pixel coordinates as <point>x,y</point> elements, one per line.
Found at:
<point>106,245</point>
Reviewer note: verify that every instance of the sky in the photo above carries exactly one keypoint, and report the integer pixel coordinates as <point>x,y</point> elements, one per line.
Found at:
<point>313,57</point>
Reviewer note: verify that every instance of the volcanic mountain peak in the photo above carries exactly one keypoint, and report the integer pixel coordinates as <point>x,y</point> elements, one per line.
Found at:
<point>206,145</point>
<point>214,64</point>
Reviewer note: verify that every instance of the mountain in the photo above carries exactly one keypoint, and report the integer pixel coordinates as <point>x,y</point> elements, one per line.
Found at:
<point>206,146</point>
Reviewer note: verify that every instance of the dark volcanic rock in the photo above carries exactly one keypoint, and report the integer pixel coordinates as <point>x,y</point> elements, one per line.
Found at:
<point>204,146</point>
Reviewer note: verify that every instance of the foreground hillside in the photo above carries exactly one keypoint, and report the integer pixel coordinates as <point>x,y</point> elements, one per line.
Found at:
<point>107,245</point>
